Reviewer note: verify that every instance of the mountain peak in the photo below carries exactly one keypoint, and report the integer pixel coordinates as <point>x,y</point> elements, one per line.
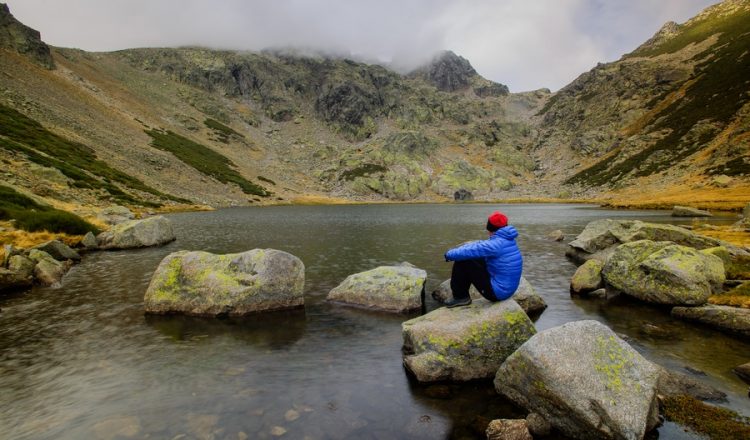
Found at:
<point>448,72</point>
<point>18,37</point>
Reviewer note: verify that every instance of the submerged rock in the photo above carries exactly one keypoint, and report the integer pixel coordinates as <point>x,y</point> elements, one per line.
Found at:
<point>153,231</point>
<point>508,429</point>
<point>525,296</point>
<point>59,250</point>
<point>204,284</point>
<point>686,211</point>
<point>725,318</point>
<point>585,381</point>
<point>664,273</point>
<point>588,277</point>
<point>464,343</point>
<point>672,383</point>
<point>556,235</point>
<point>743,372</point>
<point>397,289</point>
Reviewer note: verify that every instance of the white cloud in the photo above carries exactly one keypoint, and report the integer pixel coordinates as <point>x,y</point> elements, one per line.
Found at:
<point>526,44</point>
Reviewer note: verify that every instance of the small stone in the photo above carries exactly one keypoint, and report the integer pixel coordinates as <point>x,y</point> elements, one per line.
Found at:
<point>291,415</point>
<point>654,330</point>
<point>89,241</point>
<point>556,235</point>
<point>599,293</point>
<point>278,431</point>
<point>507,429</point>
<point>242,436</point>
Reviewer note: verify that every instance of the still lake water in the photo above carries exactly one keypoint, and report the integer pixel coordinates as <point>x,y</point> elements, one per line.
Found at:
<point>83,361</point>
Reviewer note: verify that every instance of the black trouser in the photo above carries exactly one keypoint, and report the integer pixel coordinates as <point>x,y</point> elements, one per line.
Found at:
<point>468,272</point>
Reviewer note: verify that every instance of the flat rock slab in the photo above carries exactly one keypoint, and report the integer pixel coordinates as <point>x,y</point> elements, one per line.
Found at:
<point>729,319</point>
<point>686,211</point>
<point>464,343</point>
<point>585,381</point>
<point>398,289</point>
<point>59,251</point>
<point>204,284</point>
<point>662,272</point>
<point>525,296</point>
<point>152,231</point>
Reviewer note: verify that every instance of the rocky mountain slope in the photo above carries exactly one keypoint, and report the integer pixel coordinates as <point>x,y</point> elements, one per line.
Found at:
<point>190,125</point>
<point>668,117</point>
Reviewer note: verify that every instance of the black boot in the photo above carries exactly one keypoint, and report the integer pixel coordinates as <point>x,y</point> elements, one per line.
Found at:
<point>457,302</point>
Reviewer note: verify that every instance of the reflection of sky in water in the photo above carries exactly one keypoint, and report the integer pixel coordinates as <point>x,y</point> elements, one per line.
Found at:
<point>84,357</point>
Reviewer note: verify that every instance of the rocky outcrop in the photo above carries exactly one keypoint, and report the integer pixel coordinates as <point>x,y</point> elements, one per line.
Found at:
<point>464,343</point>
<point>463,195</point>
<point>20,38</point>
<point>729,319</point>
<point>115,214</point>
<point>59,251</point>
<point>585,381</point>
<point>508,429</point>
<point>47,270</point>
<point>600,237</point>
<point>398,289</point>
<point>204,284</point>
<point>448,72</point>
<point>152,231</point>
<point>525,296</point>
<point>18,275</point>
<point>588,277</point>
<point>686,211</point>
<point>664,273</point>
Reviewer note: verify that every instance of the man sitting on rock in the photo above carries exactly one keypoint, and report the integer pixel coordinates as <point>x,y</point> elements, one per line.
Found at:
<point>493,266</point>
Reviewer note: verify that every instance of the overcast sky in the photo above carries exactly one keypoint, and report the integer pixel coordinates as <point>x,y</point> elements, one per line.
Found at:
<point>526,44</point>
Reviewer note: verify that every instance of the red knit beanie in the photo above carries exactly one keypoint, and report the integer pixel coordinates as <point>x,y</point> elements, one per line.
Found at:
<point>496,221</point>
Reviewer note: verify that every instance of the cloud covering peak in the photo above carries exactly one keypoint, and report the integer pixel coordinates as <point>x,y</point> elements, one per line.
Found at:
<point>525,44</point>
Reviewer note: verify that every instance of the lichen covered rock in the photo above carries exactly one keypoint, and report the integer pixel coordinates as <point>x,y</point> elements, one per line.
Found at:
<point>397,289</point>
<point>733,320</point>
<point>686,211</point>
<point>600,237</point>
<point>464,343</point>
<point>152,231</point>
<point>585,381</point>
<point>47,270</point>
<point>205,284</point>
<point>664,273</point>
<point>588,277</point>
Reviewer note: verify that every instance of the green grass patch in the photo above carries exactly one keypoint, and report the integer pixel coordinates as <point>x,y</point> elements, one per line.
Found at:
<point>75,160</point>
<point>223,132</point>
<point>739,166</point>
<point>31,216</point>
<point>363,170</point>
<point>739,268</point>
<point>203,159</point>
<point>715,422</point>
<point>266,179</point>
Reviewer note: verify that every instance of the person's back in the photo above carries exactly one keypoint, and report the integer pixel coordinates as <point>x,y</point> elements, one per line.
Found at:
<point>493,266</point>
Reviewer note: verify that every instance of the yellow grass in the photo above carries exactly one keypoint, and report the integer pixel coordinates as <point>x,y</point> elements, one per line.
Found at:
<point>730,300</point>
<point>712,198</point>
<point>320,200</point>
<point>24,239</point>
<point>723,233</point>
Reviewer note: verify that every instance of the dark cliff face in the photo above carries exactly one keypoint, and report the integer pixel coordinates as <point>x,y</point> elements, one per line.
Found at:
<point>22,39</point>
<point>449,72</point>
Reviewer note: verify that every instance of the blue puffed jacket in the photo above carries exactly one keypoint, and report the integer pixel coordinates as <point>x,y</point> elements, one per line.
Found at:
<point>504,261</point>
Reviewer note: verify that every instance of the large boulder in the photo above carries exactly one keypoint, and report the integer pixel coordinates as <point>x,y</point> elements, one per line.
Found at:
<point>686,211</point>
<point>59,250</point>
<point>204,284</point>
<point>397,289</point>
<point>464,343</point>
<point>525,296</point>
<point>585,381</point>
<point>588,277</point>
<point>152,231</point>
<point>729,319</point>
<point>18,275</point>
<point>599,238</point>
<point>664,273</point>
<point>47,270</point>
